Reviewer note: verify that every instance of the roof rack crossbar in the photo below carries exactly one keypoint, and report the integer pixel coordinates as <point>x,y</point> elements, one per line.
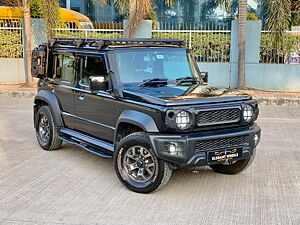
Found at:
<point>104,43</point>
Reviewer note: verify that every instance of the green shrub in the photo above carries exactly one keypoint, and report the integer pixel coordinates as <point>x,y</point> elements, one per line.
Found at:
<point>252,16</point>
<point>11,44</point>
<point>272,54</point>
<point>206,47</point>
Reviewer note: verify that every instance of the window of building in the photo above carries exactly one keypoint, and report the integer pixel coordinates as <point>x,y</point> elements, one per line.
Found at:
<point>63,3</point>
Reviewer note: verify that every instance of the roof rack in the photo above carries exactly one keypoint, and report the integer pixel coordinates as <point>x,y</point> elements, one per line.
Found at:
<point>104,43</point>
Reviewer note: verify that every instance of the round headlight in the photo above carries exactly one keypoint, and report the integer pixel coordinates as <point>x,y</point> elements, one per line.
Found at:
<point>248,113</point>
<point>183,120</point>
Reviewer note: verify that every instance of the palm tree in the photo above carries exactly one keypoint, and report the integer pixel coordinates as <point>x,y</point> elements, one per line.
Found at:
<point>25,5</point>
<point>243,6</point>
<point>50,10</point>
<point>278,19</point>
<point>138,11</point>
<point>242,43</point>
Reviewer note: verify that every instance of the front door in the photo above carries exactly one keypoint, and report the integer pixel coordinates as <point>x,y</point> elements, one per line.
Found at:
<point>93,112</point>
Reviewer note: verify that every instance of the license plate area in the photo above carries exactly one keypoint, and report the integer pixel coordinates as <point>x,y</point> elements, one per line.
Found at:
<point>220,156</point>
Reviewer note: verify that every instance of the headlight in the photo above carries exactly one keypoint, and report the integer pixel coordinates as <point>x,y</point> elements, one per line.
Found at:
<point>183,120</point>
<point>248,113</point>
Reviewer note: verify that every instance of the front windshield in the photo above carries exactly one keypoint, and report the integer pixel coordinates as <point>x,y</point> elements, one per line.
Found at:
<point>137,65</point>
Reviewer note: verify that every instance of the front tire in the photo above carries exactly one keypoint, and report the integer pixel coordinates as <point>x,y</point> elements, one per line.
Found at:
<point>46,132</point>
<point>234,167</point>
<point>137,167</point>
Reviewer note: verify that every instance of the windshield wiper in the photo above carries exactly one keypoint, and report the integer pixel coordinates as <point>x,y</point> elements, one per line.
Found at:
<point>155,82</point>
<point>187,81</point>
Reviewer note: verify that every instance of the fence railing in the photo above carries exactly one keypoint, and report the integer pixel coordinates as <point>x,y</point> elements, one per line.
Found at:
<point>211,46</point>
<point>287,53</point>
<point>88,33</point>
<point>207,45</point>
<point>11,42</point>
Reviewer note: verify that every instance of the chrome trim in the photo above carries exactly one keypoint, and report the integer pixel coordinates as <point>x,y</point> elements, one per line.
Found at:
<point>84,85</point>
<point>66,82</point>
<point>100,93</point>
<point>89,121</point>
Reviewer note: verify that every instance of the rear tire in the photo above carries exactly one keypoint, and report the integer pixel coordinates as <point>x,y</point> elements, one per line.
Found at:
<point>137,167</point>
<point>46,132</point>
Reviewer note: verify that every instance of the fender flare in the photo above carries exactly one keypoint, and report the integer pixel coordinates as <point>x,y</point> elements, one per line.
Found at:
<point>139,119</point>
<point>51,100</point>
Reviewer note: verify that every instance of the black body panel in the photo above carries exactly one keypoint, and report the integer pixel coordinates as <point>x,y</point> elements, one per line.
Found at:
<point>94,114</point>
<point>93,120</point>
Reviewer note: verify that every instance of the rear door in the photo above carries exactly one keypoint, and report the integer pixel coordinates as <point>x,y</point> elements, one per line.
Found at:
<point>94,112</point>
<point>65,79</point>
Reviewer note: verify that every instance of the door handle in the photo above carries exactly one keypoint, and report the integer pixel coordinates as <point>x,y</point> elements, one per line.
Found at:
<point>80,96</point>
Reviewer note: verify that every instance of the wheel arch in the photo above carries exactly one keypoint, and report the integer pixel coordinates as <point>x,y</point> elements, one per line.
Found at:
<point>133,121</point>
<point>44,97</point>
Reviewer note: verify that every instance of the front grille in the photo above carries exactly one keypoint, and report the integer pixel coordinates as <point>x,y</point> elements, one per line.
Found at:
<point>220,116</point>
<point>215,144</point>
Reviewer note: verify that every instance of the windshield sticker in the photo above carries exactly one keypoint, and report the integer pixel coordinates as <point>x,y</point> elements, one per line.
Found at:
<point>160,56</point>
<point>146,58</point>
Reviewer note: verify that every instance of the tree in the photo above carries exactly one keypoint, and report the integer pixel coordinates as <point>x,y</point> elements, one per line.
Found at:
<point>25,5</point>
<point>138,10</point>
<point>278,18</point>
<point>242,43</point>
<point>243,6</point>
<point>50,10</point>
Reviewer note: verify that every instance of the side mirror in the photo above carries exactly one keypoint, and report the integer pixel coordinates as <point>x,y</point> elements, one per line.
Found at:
<point>204,76</point>
<point>98,83</point>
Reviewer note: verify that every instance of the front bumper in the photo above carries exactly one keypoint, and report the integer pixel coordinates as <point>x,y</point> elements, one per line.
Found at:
<point>193,148</point>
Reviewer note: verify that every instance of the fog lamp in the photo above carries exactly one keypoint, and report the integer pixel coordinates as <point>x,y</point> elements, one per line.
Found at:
<point>174,148</point>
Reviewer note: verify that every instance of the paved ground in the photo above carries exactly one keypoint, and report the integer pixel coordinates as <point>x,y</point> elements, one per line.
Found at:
<point>71,186</point>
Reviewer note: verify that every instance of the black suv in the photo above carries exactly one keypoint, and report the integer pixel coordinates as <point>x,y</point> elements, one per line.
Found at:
<point>144,103</point>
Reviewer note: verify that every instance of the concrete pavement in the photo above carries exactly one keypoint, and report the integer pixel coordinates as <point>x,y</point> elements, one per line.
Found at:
<point>71,186</point>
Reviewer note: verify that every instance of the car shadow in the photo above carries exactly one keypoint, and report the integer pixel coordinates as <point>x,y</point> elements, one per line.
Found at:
<point>184,179</point>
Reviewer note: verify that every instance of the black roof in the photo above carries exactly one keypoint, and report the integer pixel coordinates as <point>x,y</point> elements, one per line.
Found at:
<point>120,42</point>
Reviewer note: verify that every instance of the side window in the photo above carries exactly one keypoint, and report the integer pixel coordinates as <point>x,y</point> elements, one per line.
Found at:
<point>65,67</point>
<point>91,66</point>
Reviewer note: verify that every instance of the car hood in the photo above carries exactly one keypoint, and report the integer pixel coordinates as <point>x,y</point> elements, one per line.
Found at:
<point>183,95</point>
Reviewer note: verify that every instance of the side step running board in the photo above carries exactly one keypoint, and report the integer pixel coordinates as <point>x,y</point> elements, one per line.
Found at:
<point>83,141</point>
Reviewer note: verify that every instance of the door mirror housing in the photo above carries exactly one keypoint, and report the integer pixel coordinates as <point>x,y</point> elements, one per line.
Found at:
<point>98,83</point>
<point>204,76</point>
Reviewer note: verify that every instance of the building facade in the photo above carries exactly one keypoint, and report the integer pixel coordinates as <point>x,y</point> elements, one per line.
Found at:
<point>193,14</point>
